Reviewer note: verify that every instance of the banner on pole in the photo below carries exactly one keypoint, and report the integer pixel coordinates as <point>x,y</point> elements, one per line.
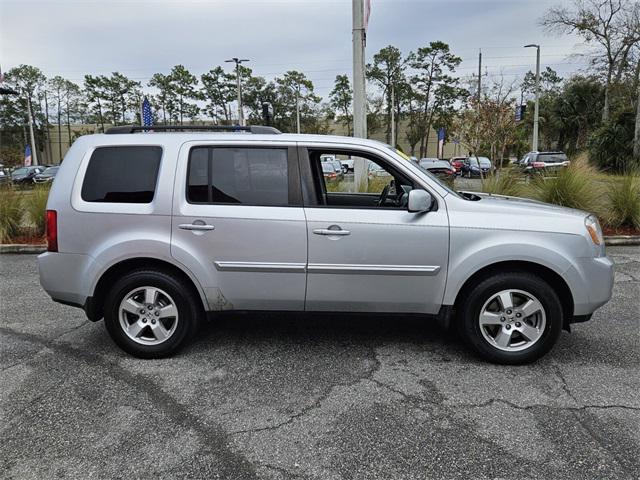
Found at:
<point>367,13</point>
<point>441,135</point>
<point>27,156</point>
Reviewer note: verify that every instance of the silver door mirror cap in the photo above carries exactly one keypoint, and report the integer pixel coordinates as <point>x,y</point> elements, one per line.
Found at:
<point>419,201</point>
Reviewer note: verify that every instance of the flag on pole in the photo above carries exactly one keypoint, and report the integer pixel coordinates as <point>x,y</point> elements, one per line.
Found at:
<point>27,156</point>
<point>441,134</point>
<point>147,117</point>
<point>367,13</point>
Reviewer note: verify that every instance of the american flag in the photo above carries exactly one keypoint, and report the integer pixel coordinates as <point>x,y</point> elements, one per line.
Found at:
<point>27,156</point>
<point>147,117</point>
<point>367,14</point>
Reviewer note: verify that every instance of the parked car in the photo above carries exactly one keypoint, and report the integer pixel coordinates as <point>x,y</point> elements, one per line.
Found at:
<point>546,162</point>
<point>4,178</point>
<point>46,176</point>
<point>214,221</point>
<point>457,163</point>
<point>339,167</point>
<point>440,168</point>
<point>472,166</point>
<point>329,171</point>
<point>347,165</point>
<point>25,175</point>
<point>375,170</point>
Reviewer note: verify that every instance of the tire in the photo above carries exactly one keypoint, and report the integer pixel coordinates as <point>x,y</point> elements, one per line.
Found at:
<point>530,336</point>
<point>157,332</point>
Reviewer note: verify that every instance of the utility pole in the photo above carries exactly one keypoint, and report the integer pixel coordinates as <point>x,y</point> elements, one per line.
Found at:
<point>34,149</point>
<point>393,117</point>
<point>359,92</point>
<point>360,165</point>
<point>536,112</point>
<point>479,77</point>
<point>238,61</point>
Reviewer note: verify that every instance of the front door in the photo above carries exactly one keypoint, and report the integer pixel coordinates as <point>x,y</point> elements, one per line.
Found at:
<point>239,226</point>
<point>366,251</point>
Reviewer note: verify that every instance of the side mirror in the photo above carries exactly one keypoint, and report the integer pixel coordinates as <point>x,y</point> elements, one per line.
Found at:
<point>419,201</point>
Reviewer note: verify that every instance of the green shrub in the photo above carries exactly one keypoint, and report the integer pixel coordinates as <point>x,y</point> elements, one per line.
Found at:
<point>623,195</point>
<point>507,181</point>
<point>573,187</point>
<point>35,206</point>
<point>611,145</point>
<point>10,213</point>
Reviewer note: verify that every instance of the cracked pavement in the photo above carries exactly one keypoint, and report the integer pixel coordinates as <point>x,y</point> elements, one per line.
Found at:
<point>314,396</point>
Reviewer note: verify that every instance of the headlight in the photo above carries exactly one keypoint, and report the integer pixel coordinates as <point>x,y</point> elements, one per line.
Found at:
<point>593,227</point>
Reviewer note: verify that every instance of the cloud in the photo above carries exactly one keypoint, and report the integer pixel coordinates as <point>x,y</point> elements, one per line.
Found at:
<point>140,37</point>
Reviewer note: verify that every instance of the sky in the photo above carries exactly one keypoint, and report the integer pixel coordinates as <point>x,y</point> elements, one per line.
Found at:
<point>140,37</point>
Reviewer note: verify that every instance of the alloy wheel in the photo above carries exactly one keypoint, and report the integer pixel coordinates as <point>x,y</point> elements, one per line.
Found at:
<point>512,320</point>
<point>148,315</point>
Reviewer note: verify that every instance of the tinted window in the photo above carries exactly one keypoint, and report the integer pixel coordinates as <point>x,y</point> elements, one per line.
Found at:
<point>552,157</point>
<point>248,176</point>
<point>122,175</point>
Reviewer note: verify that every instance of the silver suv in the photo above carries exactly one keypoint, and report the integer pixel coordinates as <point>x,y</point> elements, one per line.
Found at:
<point>153,230</point>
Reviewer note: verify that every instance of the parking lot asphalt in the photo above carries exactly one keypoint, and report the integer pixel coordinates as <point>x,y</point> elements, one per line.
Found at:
<point>314,396</point>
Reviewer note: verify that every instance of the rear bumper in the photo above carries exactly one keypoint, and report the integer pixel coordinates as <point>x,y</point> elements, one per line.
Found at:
<point>66,277</point>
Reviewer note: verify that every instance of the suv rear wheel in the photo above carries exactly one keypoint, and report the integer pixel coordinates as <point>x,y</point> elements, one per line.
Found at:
<point>150,314</point>
<point>511,318</point>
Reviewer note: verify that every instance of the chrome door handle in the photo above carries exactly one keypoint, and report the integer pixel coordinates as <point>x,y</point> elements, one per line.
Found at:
<point>328,231</point>
<point>195,226</point>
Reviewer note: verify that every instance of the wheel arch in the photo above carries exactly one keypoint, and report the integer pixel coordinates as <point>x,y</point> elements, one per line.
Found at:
<point>95,304</point>
<point>552,277</point>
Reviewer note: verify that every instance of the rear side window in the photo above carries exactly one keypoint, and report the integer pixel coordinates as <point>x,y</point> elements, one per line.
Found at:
<point>123,174</point>
<point>246,176</point>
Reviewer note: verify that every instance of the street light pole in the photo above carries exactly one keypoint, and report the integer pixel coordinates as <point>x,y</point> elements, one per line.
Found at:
<point>238,61</point>
<point>298,108</point>
<point>536,113</point>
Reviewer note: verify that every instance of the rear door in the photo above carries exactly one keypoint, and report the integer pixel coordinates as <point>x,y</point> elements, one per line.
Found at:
<point>239,226</point>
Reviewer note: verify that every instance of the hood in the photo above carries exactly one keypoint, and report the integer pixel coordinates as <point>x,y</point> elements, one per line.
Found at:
<point>526,205</point>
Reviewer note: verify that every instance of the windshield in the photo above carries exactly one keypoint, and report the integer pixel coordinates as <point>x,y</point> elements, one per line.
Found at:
<point>484,161</point>
<point>327,167</point>
<point>439,182</point>
<point>424,171</point>
<point>19,171</point>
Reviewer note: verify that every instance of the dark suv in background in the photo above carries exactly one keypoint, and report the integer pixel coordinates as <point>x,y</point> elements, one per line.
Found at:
<point>543,162</point>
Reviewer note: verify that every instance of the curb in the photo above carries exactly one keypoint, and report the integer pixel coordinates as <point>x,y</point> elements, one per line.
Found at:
<point>614,240</point>
<point>22,248</point>
<point>622,240</point>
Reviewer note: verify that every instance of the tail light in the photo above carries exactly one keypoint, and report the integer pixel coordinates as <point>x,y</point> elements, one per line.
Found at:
<point>538,165</point>
<point>52,231</point>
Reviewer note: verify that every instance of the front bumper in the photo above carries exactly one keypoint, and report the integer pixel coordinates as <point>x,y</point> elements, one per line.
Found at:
<point>591,281</point>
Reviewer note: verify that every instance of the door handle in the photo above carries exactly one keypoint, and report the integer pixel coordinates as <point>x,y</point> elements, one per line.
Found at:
<point>329,231</point>
<point>195,226</point>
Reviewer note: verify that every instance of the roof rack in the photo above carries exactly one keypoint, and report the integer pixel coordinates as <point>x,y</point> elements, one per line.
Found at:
<point>255,129</point>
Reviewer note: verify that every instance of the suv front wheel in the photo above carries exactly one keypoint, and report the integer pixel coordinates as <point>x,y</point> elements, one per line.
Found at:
<point>150,314</point>
<point>511,318</point>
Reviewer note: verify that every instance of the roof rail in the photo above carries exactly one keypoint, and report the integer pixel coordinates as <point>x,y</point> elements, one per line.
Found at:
<point>255,129</point>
